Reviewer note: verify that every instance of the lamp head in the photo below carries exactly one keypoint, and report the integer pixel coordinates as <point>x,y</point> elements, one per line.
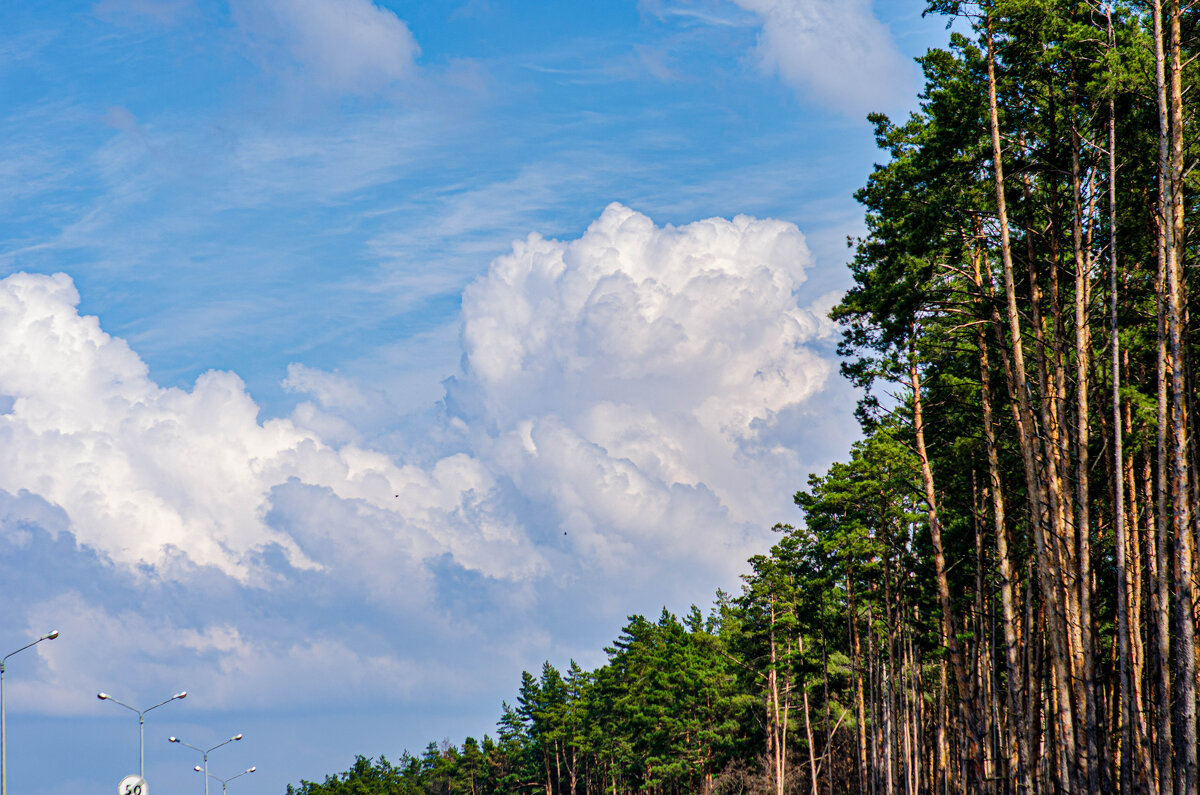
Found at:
<point>198,769</point>
<point>172,739</point>
<point>102,696</point>
<point>252,769</point>
<point>237,736</point>
<point>51,635</point>
<point>180,694</point>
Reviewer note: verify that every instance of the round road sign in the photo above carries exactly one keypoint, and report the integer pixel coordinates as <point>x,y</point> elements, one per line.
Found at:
<point>132,785</point>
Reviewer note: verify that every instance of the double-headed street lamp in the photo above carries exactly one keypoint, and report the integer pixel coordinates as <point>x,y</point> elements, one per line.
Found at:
<point>206,752</point>
<point>3,728</point>
<point>141,713</point>
<point>224,781</point>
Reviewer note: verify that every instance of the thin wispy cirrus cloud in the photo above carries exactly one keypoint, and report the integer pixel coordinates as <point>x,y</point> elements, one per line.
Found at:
<point>160,12</point>
<point>356,355</point>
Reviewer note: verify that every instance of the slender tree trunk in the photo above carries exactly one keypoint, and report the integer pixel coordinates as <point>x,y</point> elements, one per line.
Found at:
<point>1125,710</point>
<point>1185,673</point>
<point>1167,477</point>
<point>775,739</point>
<point>859,694</point>
<point>1018,738</point>
<point>1049,575</point>
<point>1083,496</point>
<point>943,721</point>
<point>812,748</point>
<point>949,638</point>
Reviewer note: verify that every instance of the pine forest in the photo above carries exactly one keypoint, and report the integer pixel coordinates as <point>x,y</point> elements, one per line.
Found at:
<point>997,590</point>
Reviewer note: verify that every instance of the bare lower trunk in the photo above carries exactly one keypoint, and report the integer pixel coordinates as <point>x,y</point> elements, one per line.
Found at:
<point>1082,496</point>
<point>1185,659</point>
<point>949,638</point>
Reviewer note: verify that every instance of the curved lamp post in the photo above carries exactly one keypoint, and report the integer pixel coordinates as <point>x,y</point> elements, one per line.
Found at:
<point>141,713</point>
<point>3,729</point>
<point>206,752</point>
<point>224,781</point>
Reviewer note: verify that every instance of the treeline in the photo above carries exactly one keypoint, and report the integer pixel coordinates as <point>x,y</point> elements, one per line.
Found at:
<point>998,591</point>
<point>728,702</point>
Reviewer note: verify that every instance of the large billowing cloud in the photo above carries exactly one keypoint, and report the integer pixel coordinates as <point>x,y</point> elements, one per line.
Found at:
<point>633,379</point>
<point>624,427</point>
<point>838,52</point>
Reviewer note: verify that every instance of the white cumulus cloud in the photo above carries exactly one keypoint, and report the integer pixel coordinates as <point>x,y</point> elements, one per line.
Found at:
<point>633,379</point>
<point>151,476</point>
<point>837,51</point>
<point>640,389</point>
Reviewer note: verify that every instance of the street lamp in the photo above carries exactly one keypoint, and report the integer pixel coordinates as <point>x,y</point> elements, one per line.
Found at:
<point>141,713</point>
<point>3,729</point>
<point>224,781</point>
<point>206,752</point>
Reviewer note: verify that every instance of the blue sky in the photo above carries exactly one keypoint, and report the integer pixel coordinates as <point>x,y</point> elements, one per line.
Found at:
<point>357,355</point>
